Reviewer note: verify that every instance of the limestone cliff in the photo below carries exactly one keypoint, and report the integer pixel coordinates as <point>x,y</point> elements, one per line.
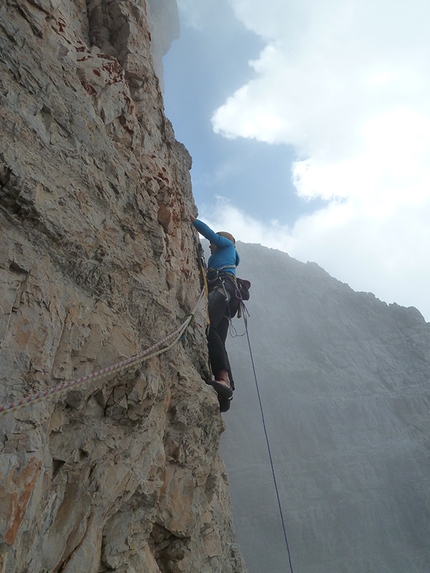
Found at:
<point>97,263</point>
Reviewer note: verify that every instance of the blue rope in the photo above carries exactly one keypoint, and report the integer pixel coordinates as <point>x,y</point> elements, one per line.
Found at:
<point>267,442</point>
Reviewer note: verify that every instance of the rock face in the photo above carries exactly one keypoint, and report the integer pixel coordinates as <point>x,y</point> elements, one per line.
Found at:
<point>344,384</point>
<point>98,262</point>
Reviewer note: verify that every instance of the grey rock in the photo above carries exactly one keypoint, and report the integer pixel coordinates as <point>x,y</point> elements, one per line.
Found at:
<point>98,262</point>
<point>344,385</point>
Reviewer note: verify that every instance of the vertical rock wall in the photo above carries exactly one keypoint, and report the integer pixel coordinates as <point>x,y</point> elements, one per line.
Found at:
<point>97,263</point>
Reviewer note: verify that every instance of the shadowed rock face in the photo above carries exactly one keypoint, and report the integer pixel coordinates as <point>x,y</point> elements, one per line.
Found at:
<point>97,263</point>
<point>344,383</point>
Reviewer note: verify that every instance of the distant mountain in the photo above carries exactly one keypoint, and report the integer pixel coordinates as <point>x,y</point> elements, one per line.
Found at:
<point>344,383</point>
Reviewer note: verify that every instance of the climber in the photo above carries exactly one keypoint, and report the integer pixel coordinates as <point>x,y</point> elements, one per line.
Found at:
<point>222,305</point>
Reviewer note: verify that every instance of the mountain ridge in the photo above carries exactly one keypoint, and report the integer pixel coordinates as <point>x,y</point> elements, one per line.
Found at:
<point>343,379</point>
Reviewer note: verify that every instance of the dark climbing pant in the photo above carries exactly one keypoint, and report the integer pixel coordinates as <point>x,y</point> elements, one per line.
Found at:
<point>223,305</point>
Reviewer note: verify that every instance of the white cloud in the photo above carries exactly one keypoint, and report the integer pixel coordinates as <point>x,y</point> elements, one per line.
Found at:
<point>386,256</point>
<point>347,84</point>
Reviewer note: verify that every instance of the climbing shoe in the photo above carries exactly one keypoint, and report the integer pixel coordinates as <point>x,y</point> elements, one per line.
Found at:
<point>224,403</point>
<point>221,389</point>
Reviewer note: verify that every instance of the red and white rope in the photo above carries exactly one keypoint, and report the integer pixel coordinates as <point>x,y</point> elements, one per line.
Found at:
<point>153,350</point>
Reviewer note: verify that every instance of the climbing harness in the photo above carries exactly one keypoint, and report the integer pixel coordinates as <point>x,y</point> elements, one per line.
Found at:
<point>221,270</point>
<point>267,441</point>
<point>220,286</point>
<point>153,350</point>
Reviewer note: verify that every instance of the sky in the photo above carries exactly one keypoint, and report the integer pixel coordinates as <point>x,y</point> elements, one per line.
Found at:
<point>309,127</point>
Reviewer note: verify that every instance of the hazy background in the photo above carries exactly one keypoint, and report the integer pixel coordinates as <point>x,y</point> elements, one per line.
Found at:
<point>344,384</point>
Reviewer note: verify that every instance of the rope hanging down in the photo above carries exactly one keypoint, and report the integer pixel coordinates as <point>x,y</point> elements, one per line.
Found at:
<point>118,367</point>
<point>267,440</point>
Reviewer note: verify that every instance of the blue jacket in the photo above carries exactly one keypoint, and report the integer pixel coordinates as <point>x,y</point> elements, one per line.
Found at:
<point>225,257</point>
